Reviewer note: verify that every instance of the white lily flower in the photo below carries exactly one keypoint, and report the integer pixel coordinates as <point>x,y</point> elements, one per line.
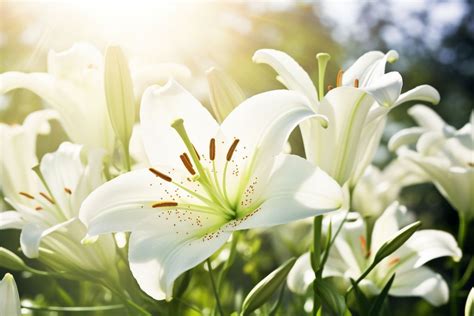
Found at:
<point>377,189</point>
<point>9,298</point>
<point>206,182</point>
<point>356,109</point>
<point>351,255</point>
<point>444,154</point>
<point>47,204</point>
<point>74,87</point>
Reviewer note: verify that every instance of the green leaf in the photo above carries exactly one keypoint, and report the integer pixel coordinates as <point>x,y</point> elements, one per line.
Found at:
<point>392,245</point>
<point>11,261</point>
<point>361,300</point>
<point>331,300</point>
<point>376,307</point>
<point>119,95</point>
<point>224,92</point>
<point>264,290</point>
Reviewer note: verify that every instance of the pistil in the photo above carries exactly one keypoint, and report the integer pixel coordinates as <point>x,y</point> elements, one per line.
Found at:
<point>323,59</point>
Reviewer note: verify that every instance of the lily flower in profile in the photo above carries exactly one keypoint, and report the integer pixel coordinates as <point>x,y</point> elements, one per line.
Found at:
<point>9,298</point>
<point>74,87</point>
<point>351,255</point>
<point>356,108</point>
<point>445,155</point>
<point>377,189</point>
<point>46,201</point>
<point>207,181</point>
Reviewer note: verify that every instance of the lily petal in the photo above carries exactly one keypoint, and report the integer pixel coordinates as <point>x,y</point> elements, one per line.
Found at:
<point>426,245</point>
<point>265,121</point>
<point>160,107</point>
<point>9,298</point>
<point>368,67</point>
<point>11,220</point>
<point>157,257</point>
<point>301,275</point>
<point>295,190</point>
<point>386,89</point>
<point>421,93</point>
<point>421,282</point>
<point>405,137</point>
<point>126,201</point>
<point>293,76</point>
<point>32,234</point>
<point>426,117</point>
<point>346,109</point>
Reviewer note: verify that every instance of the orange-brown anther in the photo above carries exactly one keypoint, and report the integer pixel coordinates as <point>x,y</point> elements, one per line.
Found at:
<point>187,163</point>
<point>31,197</point>
<point>393,262</point>
<point>339,78</point>
<point>67,190</point>
<point>356,83</point>
<point>363,244</point>
<point>38,208</point>
<point>50,200</point>
<point>212,149</point>
<point>164,204</point>
<point>330,87</point>
<point>232,149</point>
<point>159,174</point>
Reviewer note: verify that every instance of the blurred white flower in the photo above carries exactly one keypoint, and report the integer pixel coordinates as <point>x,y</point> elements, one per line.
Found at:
<point>209,181</point>
<point>469,307</point>
<point>74,87</point>
<point>9,298</point>
<point>351,255</point>
<point>356,109</point>
<point>377,189</point>
<point>444,154</point>
<point>46,203</point>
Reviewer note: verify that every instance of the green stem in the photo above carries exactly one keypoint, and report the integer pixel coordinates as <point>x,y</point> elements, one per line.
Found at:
<point>457,267</point>
<point>361,277</point>
<point>214,288</point>
<point>74,309</point>
<point>316,254</point>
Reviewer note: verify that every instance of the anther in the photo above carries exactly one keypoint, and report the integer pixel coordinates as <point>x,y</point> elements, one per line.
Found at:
<point>159,174</point>
<point>164,204</point>
<point>67,190</point>
<point>212,149</point>
<point>393,262</point>
<point>50,200</point>
<point>339,78</point>
<point>31,197</point>
<point>187,163</point>
<point>356,83</point>
<point>330,87</point>
<point>38,208</point>
<point>232,149</point>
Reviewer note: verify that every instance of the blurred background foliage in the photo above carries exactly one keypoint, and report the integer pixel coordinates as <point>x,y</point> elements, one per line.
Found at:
<point>435,40</point>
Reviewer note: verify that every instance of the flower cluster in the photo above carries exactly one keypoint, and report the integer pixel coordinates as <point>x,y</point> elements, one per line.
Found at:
<point>132,204</point>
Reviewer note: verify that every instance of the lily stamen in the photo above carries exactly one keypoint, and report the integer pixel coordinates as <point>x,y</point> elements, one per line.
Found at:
<point>232,149</point>
<point>38,208</point>
<point>68,191</point>
<point>212,149</point>
<point>164,204</point>
<point>330,87</point>
<point>339,78</point>
<point>393,262</point>
<point>187,163</point>
<point>50,200</point>
<point>356,83</point>
<point>160,175</point>
<point>197,153</point>
<point>31,197</point>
